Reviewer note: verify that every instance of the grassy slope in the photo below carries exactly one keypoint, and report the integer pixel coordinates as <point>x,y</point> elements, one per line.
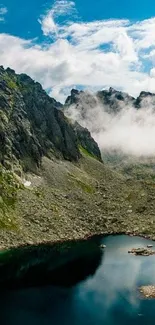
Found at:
<point>69,201</point>
<point>9,187</point>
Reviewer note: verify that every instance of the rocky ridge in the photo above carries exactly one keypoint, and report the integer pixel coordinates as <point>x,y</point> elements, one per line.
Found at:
<point>32,124</point>
<point>95,110</point>
<point>113,100</point>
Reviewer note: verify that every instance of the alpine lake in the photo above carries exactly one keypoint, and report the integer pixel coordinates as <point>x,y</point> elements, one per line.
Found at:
<point>82,283</point>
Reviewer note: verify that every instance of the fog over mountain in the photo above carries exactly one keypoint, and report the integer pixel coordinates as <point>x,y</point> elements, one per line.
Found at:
<point>117,121</point>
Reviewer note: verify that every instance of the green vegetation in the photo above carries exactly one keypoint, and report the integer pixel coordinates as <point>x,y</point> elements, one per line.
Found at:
<point>39,192</point>
<point>3,117</point>
<point>85,152</point>
<point>8,196</point>
<point>8,187</point>
<point>11,82</point>
<point>87,188</point>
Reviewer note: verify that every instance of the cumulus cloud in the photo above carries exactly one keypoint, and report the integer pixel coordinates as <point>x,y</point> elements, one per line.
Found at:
<point>143,32</point>
<point>49,20</point>
<point>132,132</point>
<point>92,55</point>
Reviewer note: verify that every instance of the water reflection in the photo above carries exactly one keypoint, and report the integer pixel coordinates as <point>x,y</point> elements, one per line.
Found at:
<point>62,263</point>
<point>109,296</point>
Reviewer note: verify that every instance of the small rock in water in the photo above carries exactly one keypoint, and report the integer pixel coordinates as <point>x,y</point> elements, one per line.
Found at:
<point>148,291</point>
<point>141,251</point>
<point>102,246</point>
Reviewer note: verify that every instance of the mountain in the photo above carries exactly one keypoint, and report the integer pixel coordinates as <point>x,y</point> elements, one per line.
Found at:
<point>32,124</point>
<point>53,183</point>
<point>118,121</point>
<point>112,100</point>
<point>32,127</point>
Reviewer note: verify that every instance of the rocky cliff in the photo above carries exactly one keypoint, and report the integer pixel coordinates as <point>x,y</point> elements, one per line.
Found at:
<point>86,143</point>
<point>31,123</point>
<point>112,100</point>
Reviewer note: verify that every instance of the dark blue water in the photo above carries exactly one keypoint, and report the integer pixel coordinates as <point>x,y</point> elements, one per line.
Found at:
<point>108,297</point>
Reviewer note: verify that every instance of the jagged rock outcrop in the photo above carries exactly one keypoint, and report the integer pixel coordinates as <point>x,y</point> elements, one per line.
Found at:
<point>112,100</point>
<point>86,142</point>
<point>83,102</point>
<point>31,123</point>
<point>145,98</point>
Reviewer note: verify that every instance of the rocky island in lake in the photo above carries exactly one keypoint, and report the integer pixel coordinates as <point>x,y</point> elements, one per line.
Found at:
<point>148,291</point>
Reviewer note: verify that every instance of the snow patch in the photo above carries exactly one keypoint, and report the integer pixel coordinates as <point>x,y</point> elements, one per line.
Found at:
<point>27,183</point>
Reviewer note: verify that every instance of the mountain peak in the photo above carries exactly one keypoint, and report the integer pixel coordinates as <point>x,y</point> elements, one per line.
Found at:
<point>31,124</point>
<point>146,93</point>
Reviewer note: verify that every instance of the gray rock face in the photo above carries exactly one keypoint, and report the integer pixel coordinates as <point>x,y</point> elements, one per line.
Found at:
<point>144,98</point>
<point>86,141</point>
<point>101,112</point>
<point>31,123</point>
<point>83,103</point>
<point>112,100</point>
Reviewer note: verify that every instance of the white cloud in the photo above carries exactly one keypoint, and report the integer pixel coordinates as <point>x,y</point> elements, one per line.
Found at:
<point>3,12</point>
<point>144,34</point>
<point>60,8</point>
<point>129,131</point>
<point>93,54</point>
<point>48,24</point>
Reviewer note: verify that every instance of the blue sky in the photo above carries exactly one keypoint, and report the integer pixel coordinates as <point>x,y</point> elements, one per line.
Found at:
<point>83,43</point>
<point>22,16</point>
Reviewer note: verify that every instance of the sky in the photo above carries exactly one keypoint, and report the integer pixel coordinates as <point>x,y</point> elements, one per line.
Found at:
<point>83,44</point>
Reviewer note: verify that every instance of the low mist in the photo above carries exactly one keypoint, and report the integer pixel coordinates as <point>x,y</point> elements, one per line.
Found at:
<point>128,130</point>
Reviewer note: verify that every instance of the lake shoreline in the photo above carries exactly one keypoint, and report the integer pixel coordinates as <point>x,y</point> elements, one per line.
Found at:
<point>76,239</point>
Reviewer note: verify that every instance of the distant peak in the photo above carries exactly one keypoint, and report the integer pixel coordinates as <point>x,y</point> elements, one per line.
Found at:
<point>74,92</point>
<point>9,70</point>
<point>112,90</point>
<point>145,94</point>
